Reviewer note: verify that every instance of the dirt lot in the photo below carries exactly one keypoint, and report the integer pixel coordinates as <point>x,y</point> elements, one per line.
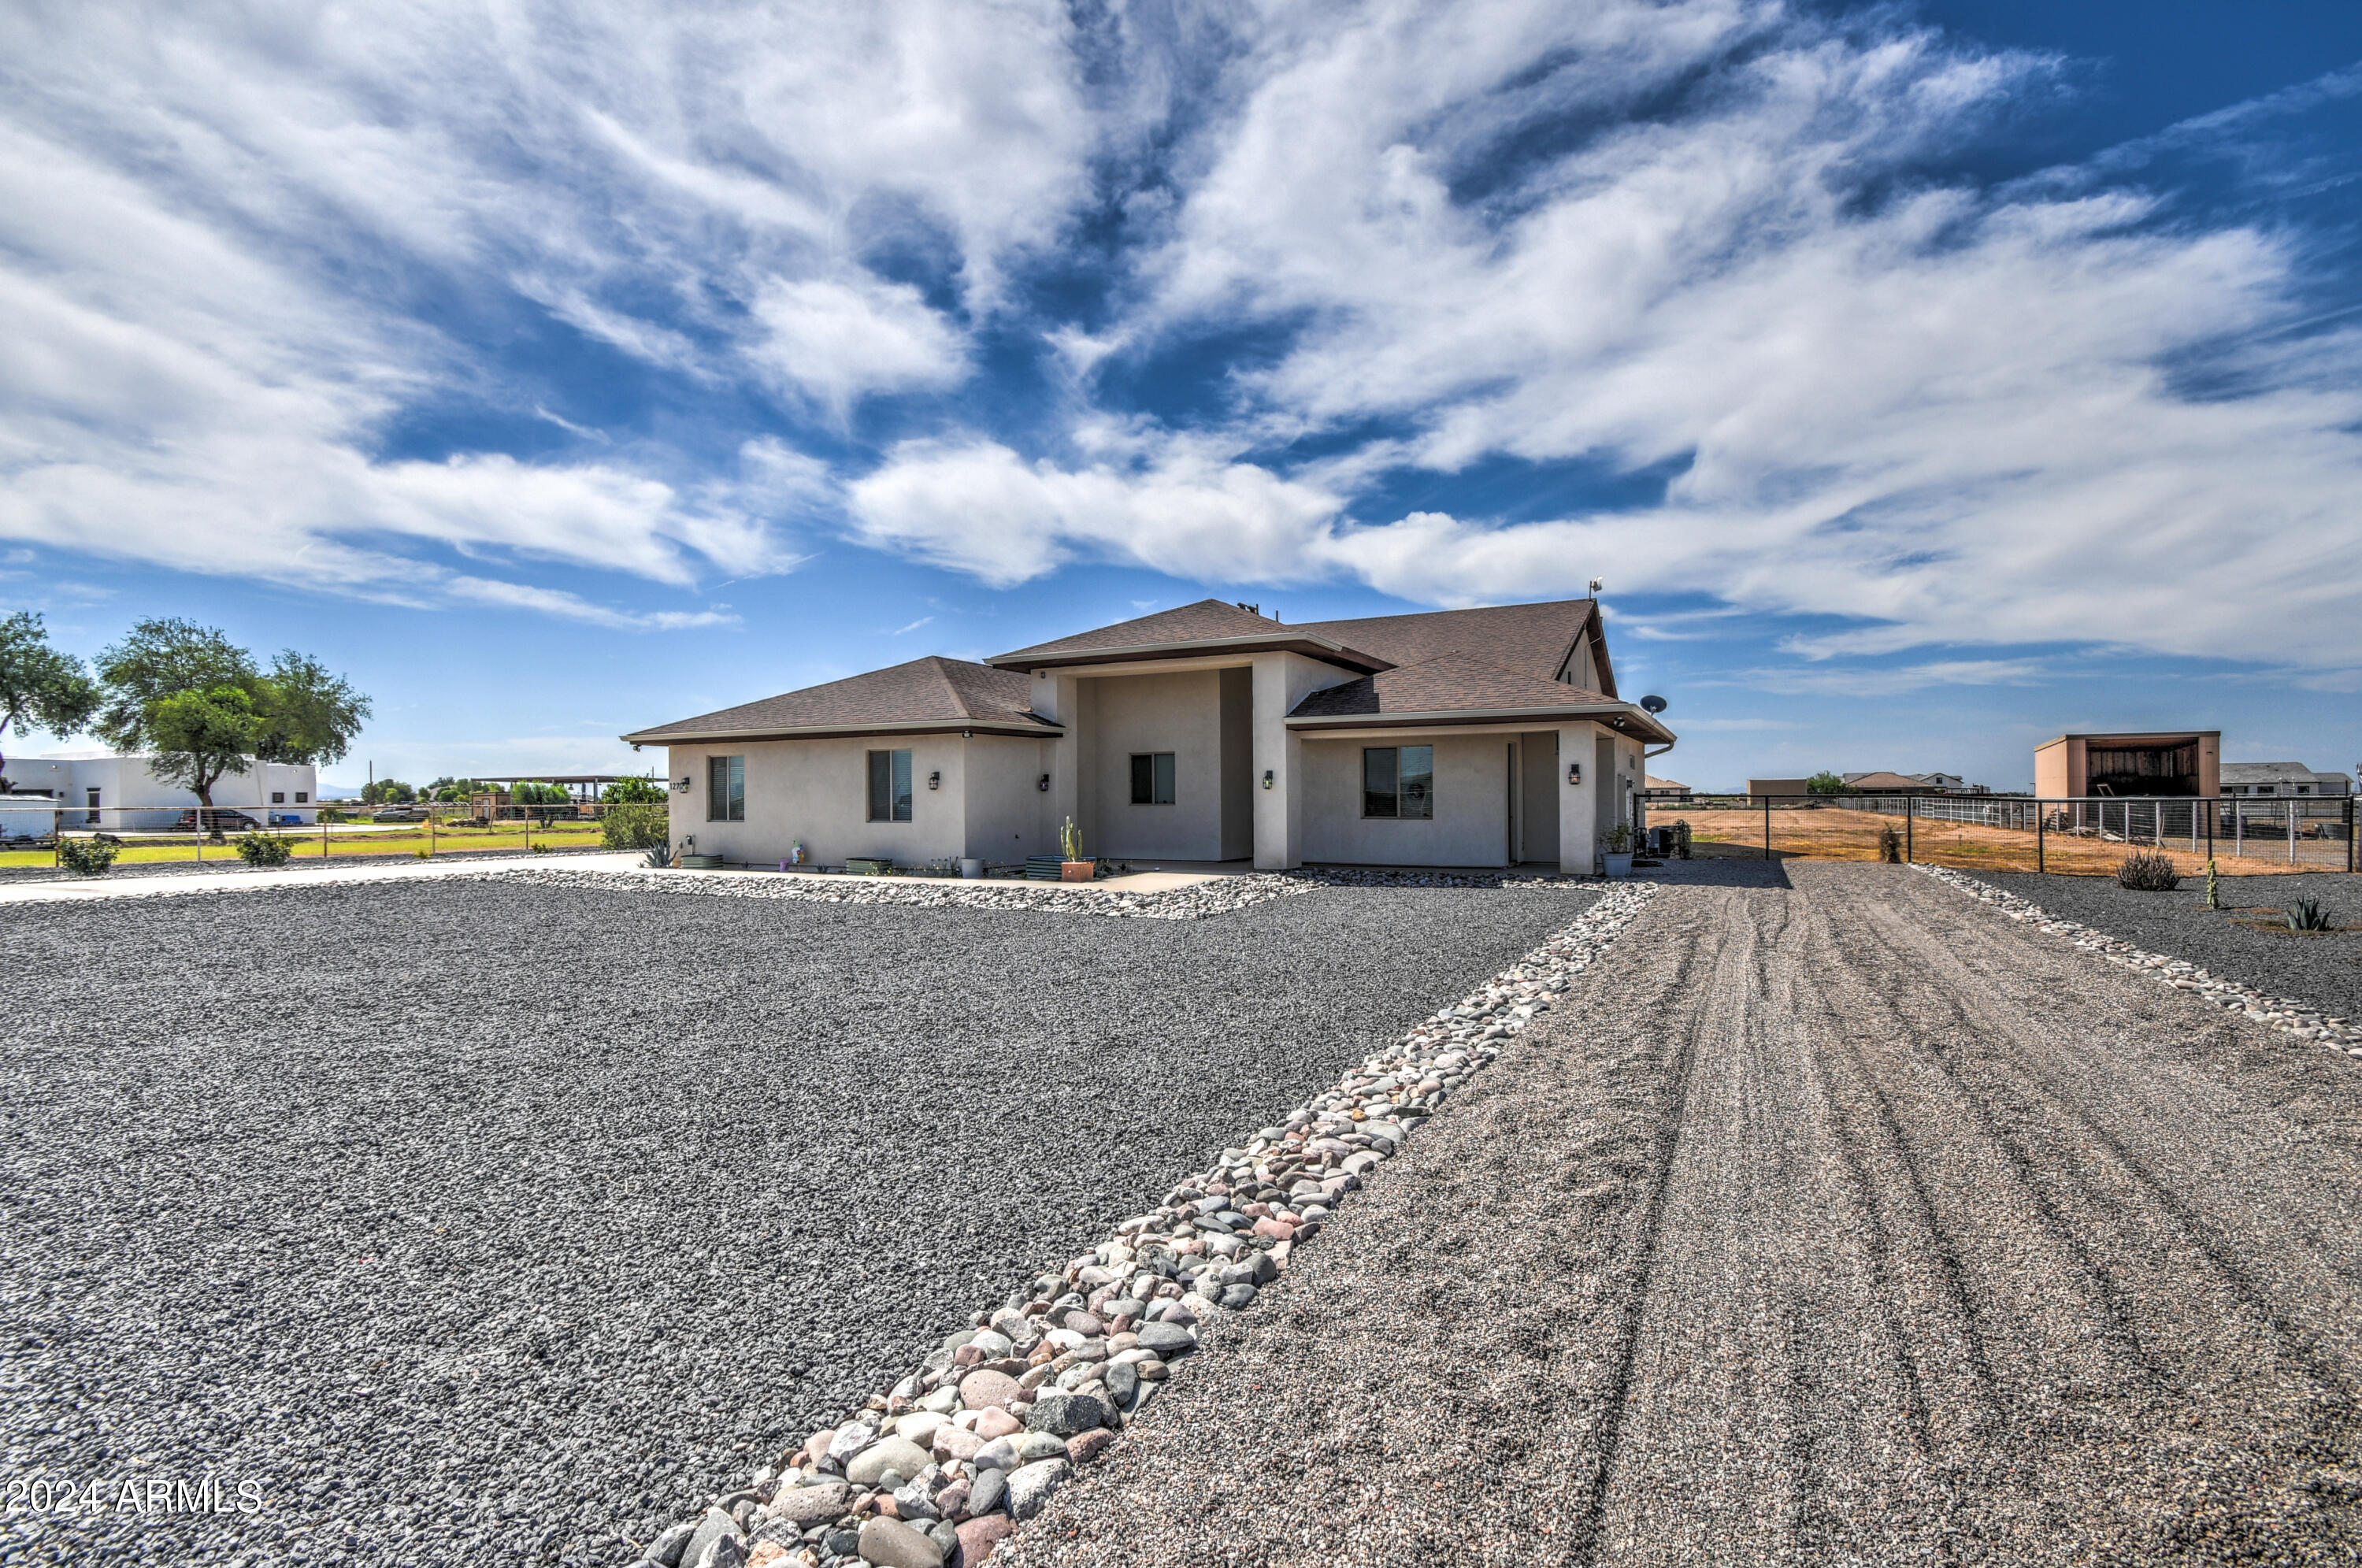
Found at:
<point>1834,834</point>
<point>1843,1223</point>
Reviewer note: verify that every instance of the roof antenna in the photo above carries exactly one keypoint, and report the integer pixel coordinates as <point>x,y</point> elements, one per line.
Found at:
<point>1250,609</point>
<point>1596,584</point>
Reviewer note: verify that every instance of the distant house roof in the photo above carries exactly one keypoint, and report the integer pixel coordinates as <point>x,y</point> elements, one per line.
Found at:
<point>1875,782</point>
<point>1469,689</point>
<point>2272,773</point>
<point>1208,626</point>
<point>1656,783</point>
<point>924,694</point>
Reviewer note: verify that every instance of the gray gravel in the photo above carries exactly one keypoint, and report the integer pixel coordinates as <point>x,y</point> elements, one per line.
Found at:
<point>467,1219</point>
<point>2324,971</point>
<point>1850,1224</point>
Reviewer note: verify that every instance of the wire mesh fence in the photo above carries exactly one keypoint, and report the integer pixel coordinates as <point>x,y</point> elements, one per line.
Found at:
<point>63,837</point>
<point>2085,835</point>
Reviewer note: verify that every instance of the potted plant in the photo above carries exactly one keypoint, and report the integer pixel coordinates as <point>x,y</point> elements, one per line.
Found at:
<point>1617,850</point>
<point>1072,867</point>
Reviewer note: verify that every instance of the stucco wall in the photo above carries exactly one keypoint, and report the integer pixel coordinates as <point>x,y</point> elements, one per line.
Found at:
<point>1181,713</point>
<point>818,791</point>
<point>1472,800</point>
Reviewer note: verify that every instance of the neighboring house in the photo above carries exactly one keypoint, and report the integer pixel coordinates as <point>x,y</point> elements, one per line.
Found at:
<point>1909,783</point>
<point>2281,779</point>
<point>1666,788</point>
<point>118,792</point>
<point>1208,733</point>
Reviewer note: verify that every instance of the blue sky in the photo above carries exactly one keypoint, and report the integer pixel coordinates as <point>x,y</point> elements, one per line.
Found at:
<point>1924,379</point>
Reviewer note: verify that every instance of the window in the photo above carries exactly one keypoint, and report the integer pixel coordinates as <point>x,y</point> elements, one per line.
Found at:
<point>1152,778</point>
<point>279,797</point>
<point>1399,781</point>
<point>725,789</point>
<point>889,786</point>
<point>92,820</point>
<point>302,796</point>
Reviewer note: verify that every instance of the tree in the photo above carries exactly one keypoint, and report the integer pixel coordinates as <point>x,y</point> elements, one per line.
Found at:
<point>198,737</point>
<point>39,687</point>
<point>632,792</point>
<point>1826,783</point>
<point>533,793</point>
<point>312,715</point>
<point>200,705</point>
<point>387,793</point>
<point>448,788</point>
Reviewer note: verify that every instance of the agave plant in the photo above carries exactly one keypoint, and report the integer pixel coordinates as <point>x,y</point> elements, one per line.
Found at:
<point>2306,914</point>
<point>2148,871</point>
<point>658,858</point>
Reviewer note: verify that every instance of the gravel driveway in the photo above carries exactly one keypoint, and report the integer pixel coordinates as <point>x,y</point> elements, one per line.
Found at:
<point>2325,970</point>
<point>472,1221</point>
<point>1849,1224</point>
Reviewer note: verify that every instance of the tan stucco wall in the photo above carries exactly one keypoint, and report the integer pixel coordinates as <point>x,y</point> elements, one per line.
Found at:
<point>1471,802</point>
<point>1181,713</point>
<point>817,791</point>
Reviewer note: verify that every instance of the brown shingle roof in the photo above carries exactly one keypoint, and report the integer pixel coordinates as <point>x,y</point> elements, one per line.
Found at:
<point>1443,684</point>
<point>1534,638</point>
<point>924,693</point>
<point>1170,634</point>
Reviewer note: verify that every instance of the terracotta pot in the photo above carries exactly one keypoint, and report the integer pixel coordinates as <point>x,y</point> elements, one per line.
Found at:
<point>1077,870</point>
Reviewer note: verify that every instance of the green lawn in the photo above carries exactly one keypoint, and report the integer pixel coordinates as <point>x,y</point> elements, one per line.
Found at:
<point>514,837</point>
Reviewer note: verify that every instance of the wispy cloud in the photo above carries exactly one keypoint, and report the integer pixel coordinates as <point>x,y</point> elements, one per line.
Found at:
<point>905,631</point>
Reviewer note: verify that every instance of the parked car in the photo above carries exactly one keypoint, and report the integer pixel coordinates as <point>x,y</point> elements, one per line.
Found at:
<point>218,819</point>
<point>400,814</point>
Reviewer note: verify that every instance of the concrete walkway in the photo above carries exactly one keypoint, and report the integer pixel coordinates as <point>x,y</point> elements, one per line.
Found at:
<point>1841,1223</point>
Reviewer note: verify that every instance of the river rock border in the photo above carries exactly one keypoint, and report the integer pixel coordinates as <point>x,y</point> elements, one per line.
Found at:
<point>936,1471</point>
<point>2291,1018</point>
<point>1200,900</point>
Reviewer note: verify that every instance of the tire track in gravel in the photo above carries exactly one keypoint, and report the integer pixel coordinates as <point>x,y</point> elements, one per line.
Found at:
<point>1844,1222</point>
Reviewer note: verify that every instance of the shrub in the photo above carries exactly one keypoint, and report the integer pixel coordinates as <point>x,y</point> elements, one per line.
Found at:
<point>2305,914</point>
<point>639,825</point>
<point>259,848</point>
<point>632,792</point>
<point>90,856</point>
<point>2148,871</point>
<point>1890,844</point>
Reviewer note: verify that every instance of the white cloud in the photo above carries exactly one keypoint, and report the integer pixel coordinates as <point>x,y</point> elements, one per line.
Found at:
<point>836,341</point>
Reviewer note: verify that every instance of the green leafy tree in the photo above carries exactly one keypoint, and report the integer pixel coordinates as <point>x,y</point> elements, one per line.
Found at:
<point>632,792</point>
<point>1826,783</point>
<point>200,703</point>
<point>39,687</point>
<point>312,716</point>
<point>533,793</point>
<point>461,790</point>
<point>387,793</point>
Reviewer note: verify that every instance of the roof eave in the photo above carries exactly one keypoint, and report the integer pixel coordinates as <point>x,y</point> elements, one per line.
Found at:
<point>1634,715</point>
<point>1040,729</point>
<point>1310,645</point>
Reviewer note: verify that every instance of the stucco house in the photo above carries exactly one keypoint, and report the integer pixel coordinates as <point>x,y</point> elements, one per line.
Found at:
<point>1207,732</point>
<point>117,791</point>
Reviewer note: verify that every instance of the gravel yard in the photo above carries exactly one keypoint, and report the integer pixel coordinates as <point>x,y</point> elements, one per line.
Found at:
<point>1844,1223</point>
<point>2323,970</point>
<point>473,1221</point>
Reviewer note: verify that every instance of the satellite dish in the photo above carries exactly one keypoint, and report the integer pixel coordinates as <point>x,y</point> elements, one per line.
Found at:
<point>1653,704</point>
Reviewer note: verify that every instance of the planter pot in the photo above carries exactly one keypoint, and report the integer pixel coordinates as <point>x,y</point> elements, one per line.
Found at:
<point>971,867</point>
<point>1618,864</point>
<point>1077,870</point>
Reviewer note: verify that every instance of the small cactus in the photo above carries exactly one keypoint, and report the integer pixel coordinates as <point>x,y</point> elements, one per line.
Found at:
<point>1070,841</point>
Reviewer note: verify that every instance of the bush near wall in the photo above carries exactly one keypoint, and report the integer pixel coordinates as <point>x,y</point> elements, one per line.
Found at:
<point>636,826</point>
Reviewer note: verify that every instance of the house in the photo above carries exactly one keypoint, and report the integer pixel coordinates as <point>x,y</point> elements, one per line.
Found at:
<point>116,791</point>
<point>1208,733</point>
<point>1656,789</point>
<point>2187,762</point>
<point>2281,779</point>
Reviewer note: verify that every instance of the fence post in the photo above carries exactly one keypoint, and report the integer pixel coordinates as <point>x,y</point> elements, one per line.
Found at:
<point>2349,833</point>
<point>2290,810</point>
<point>1767,827</point>
<point>1910,819</point>
<point>2041,837</point>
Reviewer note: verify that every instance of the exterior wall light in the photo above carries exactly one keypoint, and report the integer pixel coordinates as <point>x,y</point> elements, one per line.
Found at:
<point>935,780</point>
<point>1574,773</point>
<point>1266,778</point>
<point>1044,785</point>
<point>681,785</point>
